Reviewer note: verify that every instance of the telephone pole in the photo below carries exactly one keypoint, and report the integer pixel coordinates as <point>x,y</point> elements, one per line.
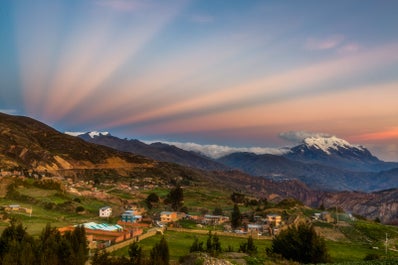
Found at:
<point>386,243</point>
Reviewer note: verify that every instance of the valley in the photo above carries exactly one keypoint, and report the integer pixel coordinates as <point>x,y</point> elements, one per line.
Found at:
<point>48,177</point>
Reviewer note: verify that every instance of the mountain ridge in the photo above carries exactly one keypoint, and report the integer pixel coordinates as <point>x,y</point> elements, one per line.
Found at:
<point>157,151</point>
<point>326,163</point>
<point>27,144</point>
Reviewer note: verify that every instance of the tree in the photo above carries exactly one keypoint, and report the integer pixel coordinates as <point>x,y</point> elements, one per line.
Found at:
<point>160,253</point>
<point>300,243</point>
<point>16,245</point>
<point>248,247</point>
<point>79,245</point>
<point>236,217</point>
<point>151,199</point>
<point>175,198</point>
<point>103,258</point>
<point>196,246</point>
<point>218,211</point>
<point>135,253</point>
<point>237,197</point>
<point>213,245</point>
<point>48,245</point>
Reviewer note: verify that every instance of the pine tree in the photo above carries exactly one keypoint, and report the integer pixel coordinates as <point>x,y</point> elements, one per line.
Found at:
<point>251,248</point>
<point>48,246</point>
<point>236,217</point>
<point>16,245</point>
<point>209,245</point>
<point>135,253</point>
<point>160,253</point>
<point>175,198</point>
<point>196,246</point>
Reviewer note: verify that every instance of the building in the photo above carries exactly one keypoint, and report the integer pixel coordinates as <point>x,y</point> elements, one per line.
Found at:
<point>168,217</point>
<point>327,217</point>
<point>257,228</point>
<point>130,217</point>
<point>103,235</point>
<point>214,219</point>
<point>274,219</point>
<point>105,212</point>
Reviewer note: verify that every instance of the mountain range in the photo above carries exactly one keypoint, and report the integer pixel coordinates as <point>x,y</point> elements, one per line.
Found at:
<point>27,145</point>
<point>322,163</point>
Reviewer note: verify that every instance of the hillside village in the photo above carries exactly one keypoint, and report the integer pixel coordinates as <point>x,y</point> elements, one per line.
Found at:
<point>128,219</point>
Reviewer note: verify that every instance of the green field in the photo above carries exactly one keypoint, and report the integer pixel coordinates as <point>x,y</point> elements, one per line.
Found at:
<point>180,242</point>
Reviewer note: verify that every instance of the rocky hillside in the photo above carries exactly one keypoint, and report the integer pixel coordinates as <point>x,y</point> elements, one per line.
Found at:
<point>29,145</point>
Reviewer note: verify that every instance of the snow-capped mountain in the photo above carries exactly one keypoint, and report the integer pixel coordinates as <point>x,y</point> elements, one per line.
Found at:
<point>89,134</point>
<point>322,162</point>
<point>330,144</point>
<point>335,152</point>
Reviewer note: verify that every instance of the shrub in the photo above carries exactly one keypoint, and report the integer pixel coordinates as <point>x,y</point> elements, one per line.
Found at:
<point>300,243</point>
<point>79,209</point>
<point>372,256</point>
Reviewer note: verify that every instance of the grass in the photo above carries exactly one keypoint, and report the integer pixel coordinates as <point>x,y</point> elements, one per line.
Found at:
<point>180,242</point>
<point>56,217</point>
<point>340,252</point>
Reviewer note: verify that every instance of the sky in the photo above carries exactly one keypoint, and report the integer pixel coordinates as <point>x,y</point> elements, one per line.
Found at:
<point>228,73</point>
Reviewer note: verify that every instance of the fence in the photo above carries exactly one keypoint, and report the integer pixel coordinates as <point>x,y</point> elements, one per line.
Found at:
<point>126,243</point>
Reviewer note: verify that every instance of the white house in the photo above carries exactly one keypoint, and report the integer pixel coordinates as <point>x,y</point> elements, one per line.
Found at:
<point>105,211</point>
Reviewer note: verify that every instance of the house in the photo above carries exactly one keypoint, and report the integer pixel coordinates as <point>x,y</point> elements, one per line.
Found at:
<point>105,211</point>
<point>257,228</point>
<point>316,216</point>
<point>105,234</point>
<point>130,217</point>
<point>168,217</point>
<point>274,219</point>
<point>327,217</point>
<point>214,219</point>
<point>13,207</point>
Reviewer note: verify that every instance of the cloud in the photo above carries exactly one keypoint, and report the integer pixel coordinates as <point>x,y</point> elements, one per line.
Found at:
<point>390,133</point>
<point>9,111</point>
<point>299,136</point>
<point>217,151</point>
<point>349,48</point>
<point>324,43</point>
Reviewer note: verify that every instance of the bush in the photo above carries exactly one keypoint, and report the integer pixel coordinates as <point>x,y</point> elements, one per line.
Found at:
<point>79,209</point>
<point>372,256</point>
<point>300,244</point>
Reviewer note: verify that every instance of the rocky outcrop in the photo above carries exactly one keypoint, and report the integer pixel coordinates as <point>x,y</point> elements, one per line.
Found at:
<point>205,259</point>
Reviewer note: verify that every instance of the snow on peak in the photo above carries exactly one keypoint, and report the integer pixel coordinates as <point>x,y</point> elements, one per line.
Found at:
<point>91,134</point>
<point>95,133</point>
<point>328,143</point>
<point>75,133</point>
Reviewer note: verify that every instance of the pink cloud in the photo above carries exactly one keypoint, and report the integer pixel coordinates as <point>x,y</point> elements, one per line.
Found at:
<point>349,48</point>
<point>324,43</point>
